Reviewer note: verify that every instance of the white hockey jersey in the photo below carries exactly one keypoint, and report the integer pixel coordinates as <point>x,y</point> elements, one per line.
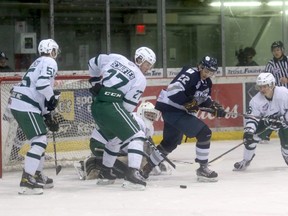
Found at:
<point>260,106</point>
<point>119,73</point>
<point>36,86</point>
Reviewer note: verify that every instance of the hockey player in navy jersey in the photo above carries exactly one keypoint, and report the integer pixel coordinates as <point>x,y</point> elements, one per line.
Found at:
<point>179,103</point>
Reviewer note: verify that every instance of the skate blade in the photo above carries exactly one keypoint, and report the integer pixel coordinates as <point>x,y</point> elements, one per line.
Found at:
<point>205,179</point>
<point>239,170</point>
<point>48,186</point>
<point>105,182</point>
<point>29,191</point>
<point>131,186</point>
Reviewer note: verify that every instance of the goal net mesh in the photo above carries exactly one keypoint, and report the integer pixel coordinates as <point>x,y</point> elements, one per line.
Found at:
<point>76,124</point>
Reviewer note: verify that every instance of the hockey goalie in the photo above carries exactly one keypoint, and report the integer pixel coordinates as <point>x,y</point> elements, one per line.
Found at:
<point>89,168</point>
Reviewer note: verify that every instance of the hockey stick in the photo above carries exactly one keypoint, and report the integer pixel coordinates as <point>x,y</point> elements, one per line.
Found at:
<point>220,156</point>
<point>236,147</point>
<point>57,167</point>
<point>152,144</point>
<point>269,119</point>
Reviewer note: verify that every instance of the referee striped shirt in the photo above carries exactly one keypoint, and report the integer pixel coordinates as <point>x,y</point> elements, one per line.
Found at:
<point>279,68</point>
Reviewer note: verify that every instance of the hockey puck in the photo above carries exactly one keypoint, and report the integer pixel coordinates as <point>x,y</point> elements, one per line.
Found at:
<point>183,186</point>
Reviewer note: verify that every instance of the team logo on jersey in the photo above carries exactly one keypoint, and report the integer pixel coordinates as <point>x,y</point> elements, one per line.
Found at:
<point>125,70</point>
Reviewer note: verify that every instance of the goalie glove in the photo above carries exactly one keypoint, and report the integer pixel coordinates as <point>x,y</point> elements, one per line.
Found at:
<point>218,109</point>
<point>51,123</point>
<point>192,106</point>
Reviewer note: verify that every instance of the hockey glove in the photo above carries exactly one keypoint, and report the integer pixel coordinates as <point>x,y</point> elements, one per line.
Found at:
<point>192,106</point>
<point>53,102</point>
<point>273,122</point>
<point>51,123</point>
<point>248,136</point>
<point>96,85</point>
<point>94,90</point>
<point>218,109</point>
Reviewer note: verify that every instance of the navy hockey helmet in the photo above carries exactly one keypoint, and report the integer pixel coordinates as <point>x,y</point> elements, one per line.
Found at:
<point>276,44</point>
<point>210,63</point>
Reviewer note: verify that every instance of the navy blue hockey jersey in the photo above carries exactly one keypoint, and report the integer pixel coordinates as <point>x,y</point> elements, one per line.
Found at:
<point>185,87</point>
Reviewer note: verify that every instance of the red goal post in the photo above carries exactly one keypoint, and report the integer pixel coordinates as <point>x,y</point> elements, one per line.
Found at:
<point>76,125</point>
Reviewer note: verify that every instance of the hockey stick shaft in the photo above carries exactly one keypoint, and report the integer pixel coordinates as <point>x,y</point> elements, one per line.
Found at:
<point>57,167</point>
<point>152,144</point>
<point>234,147</point>
<point>226,152</point>
<point>210,110</point>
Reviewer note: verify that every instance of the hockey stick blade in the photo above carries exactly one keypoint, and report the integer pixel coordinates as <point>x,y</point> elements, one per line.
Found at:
<point>58,169</point>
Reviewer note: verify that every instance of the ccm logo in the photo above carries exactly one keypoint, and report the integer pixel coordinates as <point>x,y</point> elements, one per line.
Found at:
<point>112,94</point>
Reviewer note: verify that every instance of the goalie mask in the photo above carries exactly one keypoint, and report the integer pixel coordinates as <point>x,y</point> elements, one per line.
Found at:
<point>147,112</point>
<point>49,46</point>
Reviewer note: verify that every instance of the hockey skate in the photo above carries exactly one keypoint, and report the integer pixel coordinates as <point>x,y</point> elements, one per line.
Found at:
<point>29,186</point>
<point>106,176</point>
<point>242,165</point>
<point>204,174</point>
<point>44,180</point>
<point>134,180</point>
<point>145,172</point>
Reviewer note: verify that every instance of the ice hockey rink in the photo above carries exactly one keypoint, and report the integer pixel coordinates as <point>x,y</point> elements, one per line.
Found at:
<point>261,190</point>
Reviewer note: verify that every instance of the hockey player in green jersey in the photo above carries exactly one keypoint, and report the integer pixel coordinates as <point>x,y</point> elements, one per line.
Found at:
<point>31,103</point>
<point>270,108</point>
<point>117,85</point>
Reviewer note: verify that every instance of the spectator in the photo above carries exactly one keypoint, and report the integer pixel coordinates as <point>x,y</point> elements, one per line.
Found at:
<point>245,57</point>
<point>4,63</point>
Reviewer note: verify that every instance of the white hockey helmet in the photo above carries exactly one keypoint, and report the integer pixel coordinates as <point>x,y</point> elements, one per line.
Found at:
<point>143,54</point>
<point>47,46</point>
<point>147,111</point>
<point>265,79</point>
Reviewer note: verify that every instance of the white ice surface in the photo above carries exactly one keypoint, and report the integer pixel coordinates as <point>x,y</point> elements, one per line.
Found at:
<point>261,190</point>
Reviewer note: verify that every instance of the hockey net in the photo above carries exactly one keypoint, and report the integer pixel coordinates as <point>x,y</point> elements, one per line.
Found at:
<point>76,125</point>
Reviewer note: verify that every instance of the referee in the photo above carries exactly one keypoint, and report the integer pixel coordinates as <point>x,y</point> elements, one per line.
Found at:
<point>278,66</point>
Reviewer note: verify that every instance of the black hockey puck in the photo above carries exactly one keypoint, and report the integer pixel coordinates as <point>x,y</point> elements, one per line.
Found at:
<point>183,186</point>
